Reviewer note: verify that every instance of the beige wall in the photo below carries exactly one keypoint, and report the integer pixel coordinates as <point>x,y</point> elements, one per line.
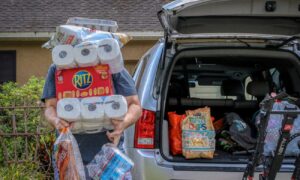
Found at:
<point>34,60</point>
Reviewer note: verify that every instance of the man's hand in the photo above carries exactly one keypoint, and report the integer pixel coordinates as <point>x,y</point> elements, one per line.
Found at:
<point>60,124</point>
<point>133,114</point>
<point>51,116</point>
<point>117,133</point>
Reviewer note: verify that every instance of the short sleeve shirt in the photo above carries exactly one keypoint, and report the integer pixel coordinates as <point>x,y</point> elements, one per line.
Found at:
<point>123,84</point>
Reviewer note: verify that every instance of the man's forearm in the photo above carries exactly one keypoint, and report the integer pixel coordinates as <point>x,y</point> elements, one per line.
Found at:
<point>133,114</point>
<point>50,114</point>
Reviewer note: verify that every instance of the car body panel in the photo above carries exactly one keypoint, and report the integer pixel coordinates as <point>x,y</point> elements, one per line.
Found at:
<point>148,168</point>
<point>230,16</point>
<point>149,163</point>
<point>146,82</point>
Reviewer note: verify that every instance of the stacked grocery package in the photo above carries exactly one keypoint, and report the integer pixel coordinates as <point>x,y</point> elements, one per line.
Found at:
<point>86,57</point>
<point>86,53</point>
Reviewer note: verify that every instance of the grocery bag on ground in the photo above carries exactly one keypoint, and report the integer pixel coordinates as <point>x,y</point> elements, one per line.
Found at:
<point>175,132</point>
<point>110,164</point>
<point>198,135</point>
<point>274,126</point>
<point>67,161</point>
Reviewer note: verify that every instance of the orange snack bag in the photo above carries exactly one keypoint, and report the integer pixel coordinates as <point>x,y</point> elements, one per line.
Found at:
<point>175,132</point>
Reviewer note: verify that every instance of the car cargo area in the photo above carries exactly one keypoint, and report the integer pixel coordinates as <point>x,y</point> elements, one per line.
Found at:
<point>226,81</point>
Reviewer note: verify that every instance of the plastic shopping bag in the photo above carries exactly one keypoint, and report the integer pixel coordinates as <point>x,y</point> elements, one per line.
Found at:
<point>273,130</point>
<point>198,135</point>
<point>67,159</point>
<point>110,164</point>
<point>175,138</point>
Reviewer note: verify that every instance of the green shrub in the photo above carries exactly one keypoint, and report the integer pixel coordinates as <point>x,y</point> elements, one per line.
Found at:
<point>28,116</point>
<point>21,171</point>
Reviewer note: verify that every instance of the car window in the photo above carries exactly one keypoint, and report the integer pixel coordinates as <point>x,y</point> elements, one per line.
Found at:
<point>248,96</point>
<point>140,69</point>
<point>208,92</point>
<point>277,82</point>
<point>214,91</point>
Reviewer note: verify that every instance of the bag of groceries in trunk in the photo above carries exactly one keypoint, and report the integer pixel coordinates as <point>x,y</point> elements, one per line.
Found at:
<point>175,133</point>
<point>198,135</point>
<point>274,126</point>
<point>67,160</point>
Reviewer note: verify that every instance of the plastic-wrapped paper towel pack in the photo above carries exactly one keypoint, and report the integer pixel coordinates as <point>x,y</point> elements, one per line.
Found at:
<point>92,109</point>
<point>110,164</point>
<point>69,109</point>
<point>85,54</point>
<point>97,24</point>
<point>89,53</point>
<point>92,114</point>
<point>63,57</point>
<point>115,107</point>
<point>109,53</point>
<point>73,35</point>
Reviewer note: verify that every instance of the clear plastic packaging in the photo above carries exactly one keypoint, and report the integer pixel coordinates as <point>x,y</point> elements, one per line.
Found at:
<point>67,158</point>
<point>85,54</point>
<point>104,51</point>
<point>110,53</point>
<point>69,109</point>
<point>273,131</point>
<point>110,164</point>
<point>63,57</point>
<point>73,35</point>
<point>98,24</point>
<point>92,114</point>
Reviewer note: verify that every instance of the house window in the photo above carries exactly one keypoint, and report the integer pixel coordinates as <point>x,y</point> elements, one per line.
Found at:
<point>7,66</point>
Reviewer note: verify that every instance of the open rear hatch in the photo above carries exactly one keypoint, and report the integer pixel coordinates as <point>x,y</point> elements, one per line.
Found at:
<point>188,19</point>
<point>185,21</point>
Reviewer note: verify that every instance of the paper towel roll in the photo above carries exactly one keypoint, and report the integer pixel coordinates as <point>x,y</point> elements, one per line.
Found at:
<point>109,52</point>
<point>115,107</point>
<point>77,127</point>
<point>92,109</point>
<point>69,109</point>
<point>62,57</point>
<point>93,127</point>
<point>85,54</point>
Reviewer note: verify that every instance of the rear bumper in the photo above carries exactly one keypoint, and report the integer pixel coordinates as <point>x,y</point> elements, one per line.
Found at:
<point>147,168</point>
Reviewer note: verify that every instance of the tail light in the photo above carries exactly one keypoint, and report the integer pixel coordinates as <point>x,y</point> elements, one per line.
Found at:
<point>145,130</point>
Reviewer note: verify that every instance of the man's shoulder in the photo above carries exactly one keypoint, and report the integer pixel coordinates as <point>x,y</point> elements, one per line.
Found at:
<point>124,84</point>
<point>123,74</point>
<point>52,67</point>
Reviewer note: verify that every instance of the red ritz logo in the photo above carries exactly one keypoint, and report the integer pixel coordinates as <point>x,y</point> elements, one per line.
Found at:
<point>82,80</point>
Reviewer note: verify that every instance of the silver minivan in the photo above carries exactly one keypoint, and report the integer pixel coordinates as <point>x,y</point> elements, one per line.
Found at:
<point>252,44</point>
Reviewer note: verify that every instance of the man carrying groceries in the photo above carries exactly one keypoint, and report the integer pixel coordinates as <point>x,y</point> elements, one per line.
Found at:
<point>90,144</point>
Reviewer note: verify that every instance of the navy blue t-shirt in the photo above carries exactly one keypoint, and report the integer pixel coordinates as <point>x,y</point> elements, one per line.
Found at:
<point>90,144</point>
